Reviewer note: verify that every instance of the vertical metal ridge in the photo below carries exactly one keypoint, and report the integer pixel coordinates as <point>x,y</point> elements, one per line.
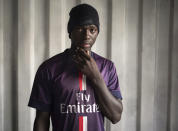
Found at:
<point>1,66</point>
<point>156,55</point>
<point>109,43</point>
<point>63,21</point>
<point>109,28</point>
<point>32,55</point>
<point>171,27</point>
<point>139,62</point>
<point>47,27</point>
<point>14,65</point>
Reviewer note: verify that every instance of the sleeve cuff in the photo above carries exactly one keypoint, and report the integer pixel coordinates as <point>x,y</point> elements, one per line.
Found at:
<point>39,106</point>
<point>116,94</point>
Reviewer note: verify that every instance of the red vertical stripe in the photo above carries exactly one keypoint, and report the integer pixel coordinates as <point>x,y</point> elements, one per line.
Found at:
<point>80,80</point>
<point>80,123</point>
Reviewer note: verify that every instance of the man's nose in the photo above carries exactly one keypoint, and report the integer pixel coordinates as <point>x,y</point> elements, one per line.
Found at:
<point>86,33</point>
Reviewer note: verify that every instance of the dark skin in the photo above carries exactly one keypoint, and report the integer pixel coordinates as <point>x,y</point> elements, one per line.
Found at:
<point>83,38</point>
<point>42,121</point>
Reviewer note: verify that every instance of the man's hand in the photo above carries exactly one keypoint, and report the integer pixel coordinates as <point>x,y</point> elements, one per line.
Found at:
<point>86,64</point>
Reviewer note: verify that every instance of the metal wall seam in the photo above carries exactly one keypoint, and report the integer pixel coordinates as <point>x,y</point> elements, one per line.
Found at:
<point>1,66</point>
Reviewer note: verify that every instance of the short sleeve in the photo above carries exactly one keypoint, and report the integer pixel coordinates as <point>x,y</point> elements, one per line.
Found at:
<point>41,91</point>
<point>113,82</point>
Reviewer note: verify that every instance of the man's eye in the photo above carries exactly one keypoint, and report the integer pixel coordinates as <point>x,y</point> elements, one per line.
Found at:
<point>92,30</point>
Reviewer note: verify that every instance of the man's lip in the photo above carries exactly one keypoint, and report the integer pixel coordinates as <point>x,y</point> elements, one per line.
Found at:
<point>85,45</point>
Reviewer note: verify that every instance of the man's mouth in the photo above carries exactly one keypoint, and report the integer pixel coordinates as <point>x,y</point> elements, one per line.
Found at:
<point>85,45</point>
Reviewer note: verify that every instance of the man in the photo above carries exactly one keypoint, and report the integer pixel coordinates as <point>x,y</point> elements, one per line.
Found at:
<point>77,88</point>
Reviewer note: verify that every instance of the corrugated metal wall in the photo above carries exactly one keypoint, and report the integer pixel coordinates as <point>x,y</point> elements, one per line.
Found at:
<point>140,36</point>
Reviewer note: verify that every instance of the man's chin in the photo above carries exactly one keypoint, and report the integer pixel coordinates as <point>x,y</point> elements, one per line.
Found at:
<point>85,48</point>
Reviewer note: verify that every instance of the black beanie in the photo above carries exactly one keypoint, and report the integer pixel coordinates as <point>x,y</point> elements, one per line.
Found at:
<point>82,14</point>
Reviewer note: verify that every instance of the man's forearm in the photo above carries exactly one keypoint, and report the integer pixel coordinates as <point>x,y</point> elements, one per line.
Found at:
<point>109,105</point>
<point>41,126</point>
<point>42,121</point>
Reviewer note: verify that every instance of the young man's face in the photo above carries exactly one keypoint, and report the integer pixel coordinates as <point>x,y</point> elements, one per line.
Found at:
<point>84,36</point>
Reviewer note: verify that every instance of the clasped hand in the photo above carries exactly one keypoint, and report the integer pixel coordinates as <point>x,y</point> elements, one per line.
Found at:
<point>85,63</point>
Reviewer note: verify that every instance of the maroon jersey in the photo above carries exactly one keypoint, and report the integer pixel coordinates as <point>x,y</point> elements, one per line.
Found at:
<point>59,88</point>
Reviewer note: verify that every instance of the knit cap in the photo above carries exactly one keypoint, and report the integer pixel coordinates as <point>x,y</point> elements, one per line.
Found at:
<point>82,14</point>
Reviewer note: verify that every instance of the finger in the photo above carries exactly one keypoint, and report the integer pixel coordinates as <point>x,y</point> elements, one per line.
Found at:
<point>79,59</point>
<point>85,59</point>
<point>75,61</point>
<point>84,53</point>
<point>76,51</point>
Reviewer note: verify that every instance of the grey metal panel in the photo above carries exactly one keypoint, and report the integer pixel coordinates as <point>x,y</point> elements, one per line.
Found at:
<point>1,67</point>
<point>148,65</point>
<point>130,69</point>
<point>57,26</point>
<point>174,71</point>
<point>10,65</point>
<point>25,44</point>
<point>41,31</point>
<point>117,47</point>
<point>161,69</point>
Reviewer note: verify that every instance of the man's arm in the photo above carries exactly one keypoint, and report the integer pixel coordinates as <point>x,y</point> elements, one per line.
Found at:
<point>42,121</point>
<point>109,105</point>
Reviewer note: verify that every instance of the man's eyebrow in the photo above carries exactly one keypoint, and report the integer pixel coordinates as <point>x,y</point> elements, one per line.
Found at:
<point>91,26</point>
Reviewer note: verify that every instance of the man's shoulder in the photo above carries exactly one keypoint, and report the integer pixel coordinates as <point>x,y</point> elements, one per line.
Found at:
<point>103,63</point>
<point>54,61</point>
<point>101,59</point>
